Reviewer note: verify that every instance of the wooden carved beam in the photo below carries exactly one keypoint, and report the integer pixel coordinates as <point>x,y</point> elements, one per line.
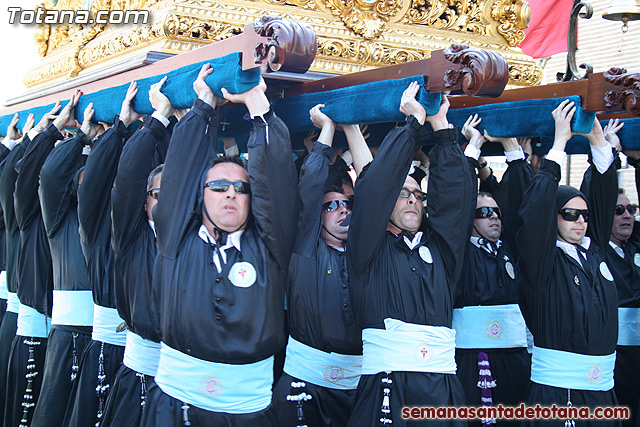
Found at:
<point>460,69</point>
<point>274,43</point>
<point>615,93</point>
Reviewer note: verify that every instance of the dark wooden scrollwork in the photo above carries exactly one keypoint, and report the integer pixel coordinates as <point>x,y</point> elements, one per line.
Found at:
<point>290,46</point>
<point>629,96</point>
<point>483,72</point>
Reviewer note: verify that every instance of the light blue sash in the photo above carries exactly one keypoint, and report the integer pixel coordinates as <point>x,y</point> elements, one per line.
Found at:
<point>141,355</point>
<point>218,387</point>
<point>13,303</point>
<point>331,370</point>
<point>408,347</point>
<point>72,308</point>
<point>105,322</point>
<point>575,371</point>
<point>493,326</point>
<point>628,326</point>
<point>32,323</point>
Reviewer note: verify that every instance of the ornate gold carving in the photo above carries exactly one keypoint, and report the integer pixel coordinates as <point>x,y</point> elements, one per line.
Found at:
<point>306,4</point>
<point>513,16</point>
<point>525,74</point>
<point>457,15</point>
<point>367,18</point>
<point>195,28</point>
<point>366,52</point>
<point>42,39</point>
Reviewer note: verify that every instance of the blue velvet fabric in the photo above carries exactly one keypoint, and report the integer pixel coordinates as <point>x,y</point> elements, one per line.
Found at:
<point>178,88</point>
<point>530,117</point>
<point>376,102</point>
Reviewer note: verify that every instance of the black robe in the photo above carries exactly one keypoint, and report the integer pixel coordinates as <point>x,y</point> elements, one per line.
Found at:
<point>389,280</point>
<point>626,274</point>
<point>202,313</point>
<point>12,236</point>
<point>66,343</point>
<point>319,302</point>
<point>485,281</point>
<point>94,215</point>
<point>134,246</point>
<point>561,314</point>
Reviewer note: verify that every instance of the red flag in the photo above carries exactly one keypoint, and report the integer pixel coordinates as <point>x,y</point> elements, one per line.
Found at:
<point>548,27</point>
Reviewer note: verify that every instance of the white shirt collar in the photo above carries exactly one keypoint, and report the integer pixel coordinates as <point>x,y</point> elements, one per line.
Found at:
<point>476,241</point>
<point>233,239</point>
<point>571,250</point>
<point>416,240</point>
<point>617,248</point>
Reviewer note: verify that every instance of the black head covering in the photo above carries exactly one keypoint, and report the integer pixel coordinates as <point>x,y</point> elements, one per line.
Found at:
<point>566,193</point>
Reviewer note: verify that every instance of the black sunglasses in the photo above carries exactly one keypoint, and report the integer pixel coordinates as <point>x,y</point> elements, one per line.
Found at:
<point>570,214</point>
<point>154,193</point>
<point>405,193</point>
<point>335,204</point>
<point>222,185</point>
<point>487,212</point>
<point>630,208</point>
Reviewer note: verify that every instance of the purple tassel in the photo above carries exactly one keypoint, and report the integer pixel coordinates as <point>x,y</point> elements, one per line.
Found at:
<point>485,384</point>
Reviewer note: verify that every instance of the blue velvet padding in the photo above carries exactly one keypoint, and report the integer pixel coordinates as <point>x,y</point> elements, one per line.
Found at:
<point>376,102</point>
<point>178,88</point>
<point>530,117</point>
<point>578,144</point>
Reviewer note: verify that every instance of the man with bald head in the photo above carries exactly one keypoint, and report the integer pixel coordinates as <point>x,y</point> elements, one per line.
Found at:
<point>569,299</point>
<point>403,267</point>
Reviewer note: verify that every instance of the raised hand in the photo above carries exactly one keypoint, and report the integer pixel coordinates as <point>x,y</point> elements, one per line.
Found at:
<point>31,120</point>
<point>159,100</point>
<point>409,106</point>
<point>508,144</point>
<point>47,118</point>
<point>255,98</point>
<point>439,120</point>
<point>320,119</point>
<point>66,118</point>
<point>87,128</point>
<point>127,114</point>
<point>203,90</point>
<point>611,133</point>
<point>472,134</point>
<point>562,116</point>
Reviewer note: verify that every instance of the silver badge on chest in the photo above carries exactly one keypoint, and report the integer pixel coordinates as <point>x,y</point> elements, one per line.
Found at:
<point>604,270</point>
<point>425,254</point>
<point>510,270</point>
<point>636,259</point>
<point>242,274</point>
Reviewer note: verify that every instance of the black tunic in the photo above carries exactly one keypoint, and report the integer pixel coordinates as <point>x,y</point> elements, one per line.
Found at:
<point>134,242</point>
<point>35,273</point>
<point>626,274</point>
<point>560,314</point>
<point>202,313</point>
<point>59,211</point>
<point>485,281</point>
<point>319,300</point>
<point>389,280</point>
<point>134,246</point>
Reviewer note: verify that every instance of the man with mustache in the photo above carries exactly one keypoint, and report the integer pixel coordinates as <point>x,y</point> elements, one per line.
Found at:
<point>403,268</point>
<point>624,259</point>
<point>323,359</point>
<point>569,299</point>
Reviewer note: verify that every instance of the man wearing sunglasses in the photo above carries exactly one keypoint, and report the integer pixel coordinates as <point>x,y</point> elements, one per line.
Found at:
<point>324,351</point>
<point>569,299</point>
<point>403,268</point>
<point>224,240</point>
<point>491,340</point>
<point>135,193</point>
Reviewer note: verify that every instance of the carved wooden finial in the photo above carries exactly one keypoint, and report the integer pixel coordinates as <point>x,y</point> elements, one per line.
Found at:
<point>289,46</point>
<point>627,97</point>
<point>482,73</point>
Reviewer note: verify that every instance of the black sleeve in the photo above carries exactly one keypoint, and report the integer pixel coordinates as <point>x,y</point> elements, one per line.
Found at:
<point>188,155</point>
<point>139,157</point>
<point>635,237</point>
<point>489,185</point>
<point>313,175</point>
<point>273,177</point>
<point>536,238</point>
<point>376,193</point>
<point>509,196</point>
<point>56,180</point>
<point>601,191</point>
<point>94,195</point>
<point>27,204</point>
<point>451,196</point>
